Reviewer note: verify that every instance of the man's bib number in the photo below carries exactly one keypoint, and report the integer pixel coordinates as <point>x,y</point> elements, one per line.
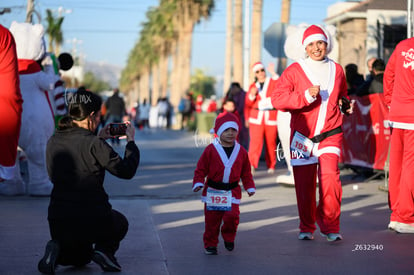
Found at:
<point>301,146</point>
<point>218,200</point>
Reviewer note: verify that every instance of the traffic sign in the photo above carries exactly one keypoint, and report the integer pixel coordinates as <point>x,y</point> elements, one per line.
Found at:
<point>274,39</point>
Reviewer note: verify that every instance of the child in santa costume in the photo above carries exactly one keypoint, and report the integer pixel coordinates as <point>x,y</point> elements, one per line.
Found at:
<point>311,89</point>
<point>10,115</point>
<point>262,117</point>
<point>219,170</point>
<point>399,96</point>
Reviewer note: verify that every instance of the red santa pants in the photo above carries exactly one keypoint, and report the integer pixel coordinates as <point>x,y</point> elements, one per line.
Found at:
<point>213,221</point>
<point>328,211</point>
<point>257,134</point>
<point>401,181</point>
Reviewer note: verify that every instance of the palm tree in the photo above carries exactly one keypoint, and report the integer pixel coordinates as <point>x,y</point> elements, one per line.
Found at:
<point>238,42</point>
<point>256,35</point>
<point>168,32</point>
<point>54,32</point>
<point>187,14</point>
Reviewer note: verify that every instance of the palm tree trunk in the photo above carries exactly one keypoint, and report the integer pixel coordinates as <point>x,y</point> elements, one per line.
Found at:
<point>175,77</point>
<point>229,41</point>
<point>238,42</point>
<point>155,74</point>
<point>144,85</point>
<point>185,63</point>
<point>256,36</point>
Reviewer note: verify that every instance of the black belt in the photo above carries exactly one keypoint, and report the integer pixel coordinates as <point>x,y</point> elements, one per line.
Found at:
<point>265,110</point>
<point>322,136</point>
<point>222,185</point>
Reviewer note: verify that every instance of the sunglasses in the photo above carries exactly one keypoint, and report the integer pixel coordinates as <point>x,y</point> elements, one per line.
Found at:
<point>261,70</point>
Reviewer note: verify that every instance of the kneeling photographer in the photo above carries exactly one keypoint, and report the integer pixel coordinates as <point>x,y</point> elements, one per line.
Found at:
<point>82,223</point>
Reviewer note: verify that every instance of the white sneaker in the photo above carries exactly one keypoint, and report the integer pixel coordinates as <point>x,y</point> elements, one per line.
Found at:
<point>305,236</point>
<point>404,227</point>
<point>391,225</point>
<point>332,237</point>
<point>285,179</point>
<point>270,171</point>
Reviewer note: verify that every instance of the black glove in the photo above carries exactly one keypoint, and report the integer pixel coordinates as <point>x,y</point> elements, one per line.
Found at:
<point>346,104</point>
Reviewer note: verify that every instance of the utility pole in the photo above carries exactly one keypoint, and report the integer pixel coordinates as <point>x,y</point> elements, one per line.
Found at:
<point>246,44</point>
<point>285,16</point>
<point>29,11</point>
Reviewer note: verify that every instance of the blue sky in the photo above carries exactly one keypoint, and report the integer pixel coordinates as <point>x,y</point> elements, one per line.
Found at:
<point>106,30</point>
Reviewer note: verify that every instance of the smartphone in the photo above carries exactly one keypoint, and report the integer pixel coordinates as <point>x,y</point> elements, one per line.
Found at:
<point>117,129</point>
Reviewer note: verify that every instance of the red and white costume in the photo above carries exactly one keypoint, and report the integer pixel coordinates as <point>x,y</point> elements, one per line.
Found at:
<point>216,166</point>
<point>262,119</point>
<point>310,117</point>
<point>399,96</point>
<point>10,106</point>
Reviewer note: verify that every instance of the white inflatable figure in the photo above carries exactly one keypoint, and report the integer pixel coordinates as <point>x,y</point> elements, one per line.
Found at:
<point>37,116</point>
<point>294,51</point>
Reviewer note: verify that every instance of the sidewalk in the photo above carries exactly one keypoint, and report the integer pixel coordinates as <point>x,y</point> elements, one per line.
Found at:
<point>166,224</point>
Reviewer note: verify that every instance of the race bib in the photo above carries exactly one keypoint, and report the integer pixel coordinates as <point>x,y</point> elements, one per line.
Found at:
<point>218,200</point>
<point>301,146</point>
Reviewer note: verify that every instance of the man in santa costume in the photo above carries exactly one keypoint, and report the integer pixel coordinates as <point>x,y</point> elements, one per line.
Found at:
<point>10,115</point>
<point>399,96</point>
<point>311,89</point>
<point>261,117</point>
<point>219,170</point>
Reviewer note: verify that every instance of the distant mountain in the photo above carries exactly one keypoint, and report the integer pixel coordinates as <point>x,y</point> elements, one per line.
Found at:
<point>106,72</point>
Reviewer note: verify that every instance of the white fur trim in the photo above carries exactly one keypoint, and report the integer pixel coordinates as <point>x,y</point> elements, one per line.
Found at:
<point>308,97</point>
<point>299,162</point>
<point>328,149</point>
<point>227,162</point>
<point>401,125</point>
<point>257,67</point>
<point>226,125</point>
<point>250,190</point>
<point>314,37</point>
<point>198,184</point>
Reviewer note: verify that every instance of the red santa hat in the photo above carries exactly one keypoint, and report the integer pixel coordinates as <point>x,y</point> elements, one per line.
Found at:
<point>257,66</point>
<point>225,121</point>
<point>313,33</point>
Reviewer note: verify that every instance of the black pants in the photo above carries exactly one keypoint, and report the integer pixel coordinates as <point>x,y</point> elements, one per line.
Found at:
<point>77,240</point>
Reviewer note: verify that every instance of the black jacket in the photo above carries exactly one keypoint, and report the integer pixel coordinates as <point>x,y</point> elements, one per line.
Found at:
<point>76,162</point>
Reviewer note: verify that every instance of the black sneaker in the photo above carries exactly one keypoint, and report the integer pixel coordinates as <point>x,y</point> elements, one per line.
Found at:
<point>211,250</point>
<point>106,261</point>
<point>47,264</point>
<point>229,246</point>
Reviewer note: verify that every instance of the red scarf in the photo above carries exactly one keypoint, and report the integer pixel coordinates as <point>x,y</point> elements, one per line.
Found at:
<point>28,66</point>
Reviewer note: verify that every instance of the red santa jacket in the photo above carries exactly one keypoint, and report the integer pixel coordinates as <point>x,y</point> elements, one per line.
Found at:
<point>259,109</point>
<point>311,117</point>
<point>216,166</point>
<point>10,103</point>
<point>399,85</point>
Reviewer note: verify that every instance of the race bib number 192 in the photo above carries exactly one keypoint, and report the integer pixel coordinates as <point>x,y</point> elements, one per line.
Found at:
<point>218,200</point>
